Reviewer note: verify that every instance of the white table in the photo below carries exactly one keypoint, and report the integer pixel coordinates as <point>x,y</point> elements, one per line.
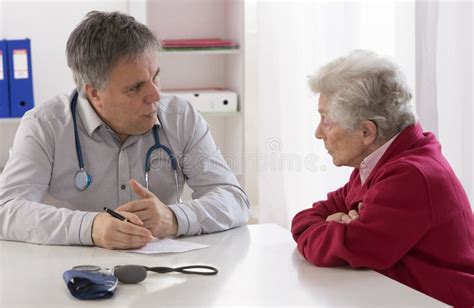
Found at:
<point>258,266</point>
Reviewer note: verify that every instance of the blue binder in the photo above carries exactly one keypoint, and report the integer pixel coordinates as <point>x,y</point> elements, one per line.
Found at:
<point>21,76</point>
<point>4,90</point>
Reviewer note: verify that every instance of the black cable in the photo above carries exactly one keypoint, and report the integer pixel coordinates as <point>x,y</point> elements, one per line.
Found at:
<point>137,273</point>
<point>190,269</point>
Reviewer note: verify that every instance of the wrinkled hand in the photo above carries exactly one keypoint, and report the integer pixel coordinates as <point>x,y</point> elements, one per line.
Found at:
<point>345,218</point>
<point>156,216</point>
<point>112,233</point>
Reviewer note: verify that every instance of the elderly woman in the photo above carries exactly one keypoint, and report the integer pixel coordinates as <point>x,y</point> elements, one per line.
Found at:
<point>403,212</point>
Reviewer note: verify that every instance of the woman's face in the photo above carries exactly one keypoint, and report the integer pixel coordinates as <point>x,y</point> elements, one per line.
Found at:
<point>346,148</point>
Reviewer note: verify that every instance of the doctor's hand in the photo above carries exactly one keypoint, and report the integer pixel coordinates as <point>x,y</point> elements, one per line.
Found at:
<point>112,233</point>
<point>156,216</point>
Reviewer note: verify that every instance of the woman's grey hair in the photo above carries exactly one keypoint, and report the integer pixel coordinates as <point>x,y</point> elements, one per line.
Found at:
<point>364,86</point>
<point>100,41</point>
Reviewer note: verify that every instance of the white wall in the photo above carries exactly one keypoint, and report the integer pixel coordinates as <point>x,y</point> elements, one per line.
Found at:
<point>454,84</point>
<point>295,169</point>
<point>1,18</point>
<point>48,25</point>
<point>251,107</point>
<point>137,8</point>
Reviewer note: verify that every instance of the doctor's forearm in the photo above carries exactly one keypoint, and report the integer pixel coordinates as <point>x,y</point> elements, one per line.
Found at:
<point>219,209</point>
<point>33,222</point>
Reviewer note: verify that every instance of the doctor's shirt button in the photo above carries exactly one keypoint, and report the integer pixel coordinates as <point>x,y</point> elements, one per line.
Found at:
<point>123,186</point>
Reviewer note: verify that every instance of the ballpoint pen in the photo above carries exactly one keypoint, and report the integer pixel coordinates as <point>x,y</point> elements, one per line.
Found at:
<point>118,216</point>
<point>115,214</point>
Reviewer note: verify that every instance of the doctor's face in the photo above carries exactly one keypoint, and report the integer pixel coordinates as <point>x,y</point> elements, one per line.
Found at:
<point>346,148</point>
<point>128,103</point>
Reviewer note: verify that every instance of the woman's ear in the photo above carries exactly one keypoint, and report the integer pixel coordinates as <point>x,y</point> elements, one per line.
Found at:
<point>369,132</point>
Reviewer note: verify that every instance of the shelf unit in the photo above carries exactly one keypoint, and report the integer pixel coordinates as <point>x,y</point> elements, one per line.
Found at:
<point>230,114</point>
<point>199,52</point>
<point>194,69</point>
<point>8,121</point>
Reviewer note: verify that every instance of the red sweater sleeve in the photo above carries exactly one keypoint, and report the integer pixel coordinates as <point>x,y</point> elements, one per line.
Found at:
<point>315,217</point>
<point>396,214</point>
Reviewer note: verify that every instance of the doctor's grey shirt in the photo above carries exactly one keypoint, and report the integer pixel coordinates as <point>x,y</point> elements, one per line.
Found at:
<point>39,202</point>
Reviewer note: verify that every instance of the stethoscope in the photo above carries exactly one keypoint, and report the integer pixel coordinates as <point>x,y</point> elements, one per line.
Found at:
<point>83,180</point>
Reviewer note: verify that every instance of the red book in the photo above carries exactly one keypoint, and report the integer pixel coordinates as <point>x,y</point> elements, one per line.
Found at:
<point>197,43</point>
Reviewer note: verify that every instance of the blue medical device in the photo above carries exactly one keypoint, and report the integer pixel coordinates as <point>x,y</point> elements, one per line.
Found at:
<point>82,179</point>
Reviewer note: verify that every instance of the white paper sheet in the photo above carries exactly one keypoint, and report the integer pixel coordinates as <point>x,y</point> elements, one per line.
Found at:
<point>167,245</point>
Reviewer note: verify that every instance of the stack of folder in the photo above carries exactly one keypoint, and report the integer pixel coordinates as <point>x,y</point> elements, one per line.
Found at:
<point>16,78</point>
<point>198,44</point>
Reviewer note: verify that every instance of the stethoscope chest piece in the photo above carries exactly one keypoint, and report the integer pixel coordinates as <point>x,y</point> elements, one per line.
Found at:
<point>82,180</point>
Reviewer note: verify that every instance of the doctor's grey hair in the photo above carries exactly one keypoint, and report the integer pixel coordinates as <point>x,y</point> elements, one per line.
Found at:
<point>100,41</point>
<point>364,86</point>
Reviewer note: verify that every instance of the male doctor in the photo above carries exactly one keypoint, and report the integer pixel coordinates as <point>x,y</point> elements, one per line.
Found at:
<point>86,150</point>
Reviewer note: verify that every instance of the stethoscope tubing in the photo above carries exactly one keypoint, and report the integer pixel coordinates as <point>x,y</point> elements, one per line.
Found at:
<point>82,179</point>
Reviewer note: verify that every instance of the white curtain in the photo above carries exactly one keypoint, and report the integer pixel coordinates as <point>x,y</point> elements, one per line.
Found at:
<point>294,39</point>
<point>431,40</point>
<point>445,38</point>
